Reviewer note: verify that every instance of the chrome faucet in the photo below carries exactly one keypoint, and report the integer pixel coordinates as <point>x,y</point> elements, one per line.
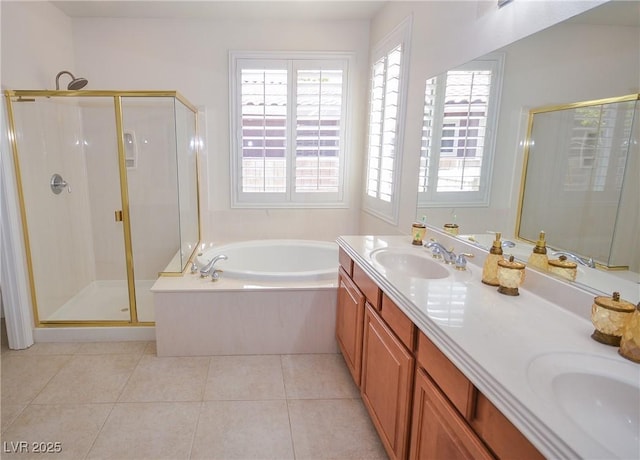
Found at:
<point>209,268</point>
<point>586,261</point>
<point>438,250</point>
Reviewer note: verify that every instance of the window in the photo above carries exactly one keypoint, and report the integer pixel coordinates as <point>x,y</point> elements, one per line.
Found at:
<point>460,112</point>
<point>288,124</point>
<point>386,120</point>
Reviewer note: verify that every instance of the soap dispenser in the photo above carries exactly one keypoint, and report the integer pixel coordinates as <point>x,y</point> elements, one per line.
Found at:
<point>538,257</point>
<point>490,268</point>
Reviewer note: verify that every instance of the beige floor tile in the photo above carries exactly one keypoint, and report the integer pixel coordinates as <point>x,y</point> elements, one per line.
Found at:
<point>69,428</point>
<point>49,348</point>
<point>243,430</point>
<point>89,379</point>
<point>155,431</point>
<point>321,376</point>
<point>106,348</point>
<point>335,429</point>
<point>245,378</point>
<point>166,379</point>
<point>24,376</point>
<point>9,413</point>
<point>150,349</point>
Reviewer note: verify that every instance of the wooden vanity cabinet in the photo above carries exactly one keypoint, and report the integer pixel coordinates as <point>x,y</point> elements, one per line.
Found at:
<point>350,323</point>
<point>421,404</point>
<point>438,430</point>
<point>387,381</point>
<point>443,401</point>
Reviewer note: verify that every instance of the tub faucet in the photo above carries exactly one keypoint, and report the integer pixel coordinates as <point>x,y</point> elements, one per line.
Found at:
<point>586,261</point>
<point>439,250</point>
<point>209,268</point>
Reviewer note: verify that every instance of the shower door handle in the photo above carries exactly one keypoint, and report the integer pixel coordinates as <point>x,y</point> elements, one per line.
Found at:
<point>118,216</point>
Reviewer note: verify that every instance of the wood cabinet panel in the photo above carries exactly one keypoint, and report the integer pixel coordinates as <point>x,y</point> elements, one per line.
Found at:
<point>399,323</point>
<point>438,431</point>
<point>345,262</point>
<point>387,381</point>
<point>367,286</point>
<point>500,434</point>
<point>453,383</point>
<point>350,323</point>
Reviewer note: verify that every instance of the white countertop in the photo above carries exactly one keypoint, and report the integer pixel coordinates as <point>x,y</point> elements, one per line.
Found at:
<point>497,341</point>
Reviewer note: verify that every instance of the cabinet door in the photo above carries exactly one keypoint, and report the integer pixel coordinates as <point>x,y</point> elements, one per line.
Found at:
<point>349,323</point>
<point>438,431</point>
<point>387,380</point>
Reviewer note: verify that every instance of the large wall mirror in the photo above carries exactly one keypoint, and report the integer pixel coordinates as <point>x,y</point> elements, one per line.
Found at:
<point>592,56</point>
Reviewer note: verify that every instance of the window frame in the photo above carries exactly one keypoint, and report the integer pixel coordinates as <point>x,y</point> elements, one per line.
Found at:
<point>292,61</point>
<point>480,198</point>
<point>399,36</point>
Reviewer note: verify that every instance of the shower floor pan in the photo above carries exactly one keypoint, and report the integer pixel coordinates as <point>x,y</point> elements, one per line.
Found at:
<point>107,300</point>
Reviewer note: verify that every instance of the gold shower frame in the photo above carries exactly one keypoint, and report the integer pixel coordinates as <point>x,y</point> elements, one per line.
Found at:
<point>25,95</point>
<point>527,144</point>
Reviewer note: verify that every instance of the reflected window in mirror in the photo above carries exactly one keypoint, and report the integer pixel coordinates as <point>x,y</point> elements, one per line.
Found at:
<point>458,135</point>
<point>387,94</point>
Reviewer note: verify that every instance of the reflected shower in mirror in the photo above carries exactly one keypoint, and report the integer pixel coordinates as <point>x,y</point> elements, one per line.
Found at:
<point>581,166</point>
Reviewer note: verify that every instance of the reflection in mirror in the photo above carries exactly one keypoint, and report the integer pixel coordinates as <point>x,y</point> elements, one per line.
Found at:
<point>592,56</point>
<point>579,164</point>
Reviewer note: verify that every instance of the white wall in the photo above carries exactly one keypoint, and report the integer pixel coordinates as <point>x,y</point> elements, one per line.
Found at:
<point>192,57</point>
<point>444,35</point>
<point>36,45</point>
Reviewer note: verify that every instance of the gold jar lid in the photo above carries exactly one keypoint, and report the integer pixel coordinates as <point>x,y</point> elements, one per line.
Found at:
<point>614,303</point>
<point>504,263</point>
<point>562,262</point>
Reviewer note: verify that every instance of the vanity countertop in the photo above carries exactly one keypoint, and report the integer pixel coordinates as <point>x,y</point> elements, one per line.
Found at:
<point>531,355</point>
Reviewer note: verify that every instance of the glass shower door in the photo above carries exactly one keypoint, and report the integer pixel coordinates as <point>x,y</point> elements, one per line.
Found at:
<point>77,257</point>
<point>149,134</point>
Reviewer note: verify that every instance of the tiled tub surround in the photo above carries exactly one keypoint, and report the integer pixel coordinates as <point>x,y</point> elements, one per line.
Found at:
<point>196,317</point>
<point>497,341</point>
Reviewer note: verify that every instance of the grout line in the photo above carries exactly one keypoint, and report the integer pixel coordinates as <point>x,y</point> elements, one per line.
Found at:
<point>286,401</point>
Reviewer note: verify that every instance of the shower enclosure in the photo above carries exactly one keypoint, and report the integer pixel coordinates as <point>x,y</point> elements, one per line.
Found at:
<point>108,191</point>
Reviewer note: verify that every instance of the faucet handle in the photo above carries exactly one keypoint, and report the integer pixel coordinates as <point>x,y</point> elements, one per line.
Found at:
<point>461,260</point>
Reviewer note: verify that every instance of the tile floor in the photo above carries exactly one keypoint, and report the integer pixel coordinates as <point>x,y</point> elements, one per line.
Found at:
<point>120,401</point>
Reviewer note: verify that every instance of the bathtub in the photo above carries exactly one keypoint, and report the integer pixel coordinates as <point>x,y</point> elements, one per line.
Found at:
<point>275,260</point>
<point>272,297</point>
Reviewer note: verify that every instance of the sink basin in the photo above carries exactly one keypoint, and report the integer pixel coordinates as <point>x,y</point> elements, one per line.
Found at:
<point>599,395</point>
<point>406,262</point>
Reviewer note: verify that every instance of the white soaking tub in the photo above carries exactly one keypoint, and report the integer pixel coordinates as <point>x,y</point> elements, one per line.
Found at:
<point>272,297</point>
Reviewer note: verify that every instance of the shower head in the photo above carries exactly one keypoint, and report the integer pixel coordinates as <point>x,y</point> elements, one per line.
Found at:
<point>76,83</point>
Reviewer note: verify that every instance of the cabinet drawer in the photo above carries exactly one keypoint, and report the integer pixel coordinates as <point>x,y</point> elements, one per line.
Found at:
<point>398,322</point>
<point>451,381</point>
<point>504,439</point>
<point>345,262</point>
<point>366,285</point>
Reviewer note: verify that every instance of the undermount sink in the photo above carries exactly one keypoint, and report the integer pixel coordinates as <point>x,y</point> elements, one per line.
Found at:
<point>600,395</point>
<point>406,262</point>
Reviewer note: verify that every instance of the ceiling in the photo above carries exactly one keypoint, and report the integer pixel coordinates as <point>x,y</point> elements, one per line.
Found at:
<point>214,9</point>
